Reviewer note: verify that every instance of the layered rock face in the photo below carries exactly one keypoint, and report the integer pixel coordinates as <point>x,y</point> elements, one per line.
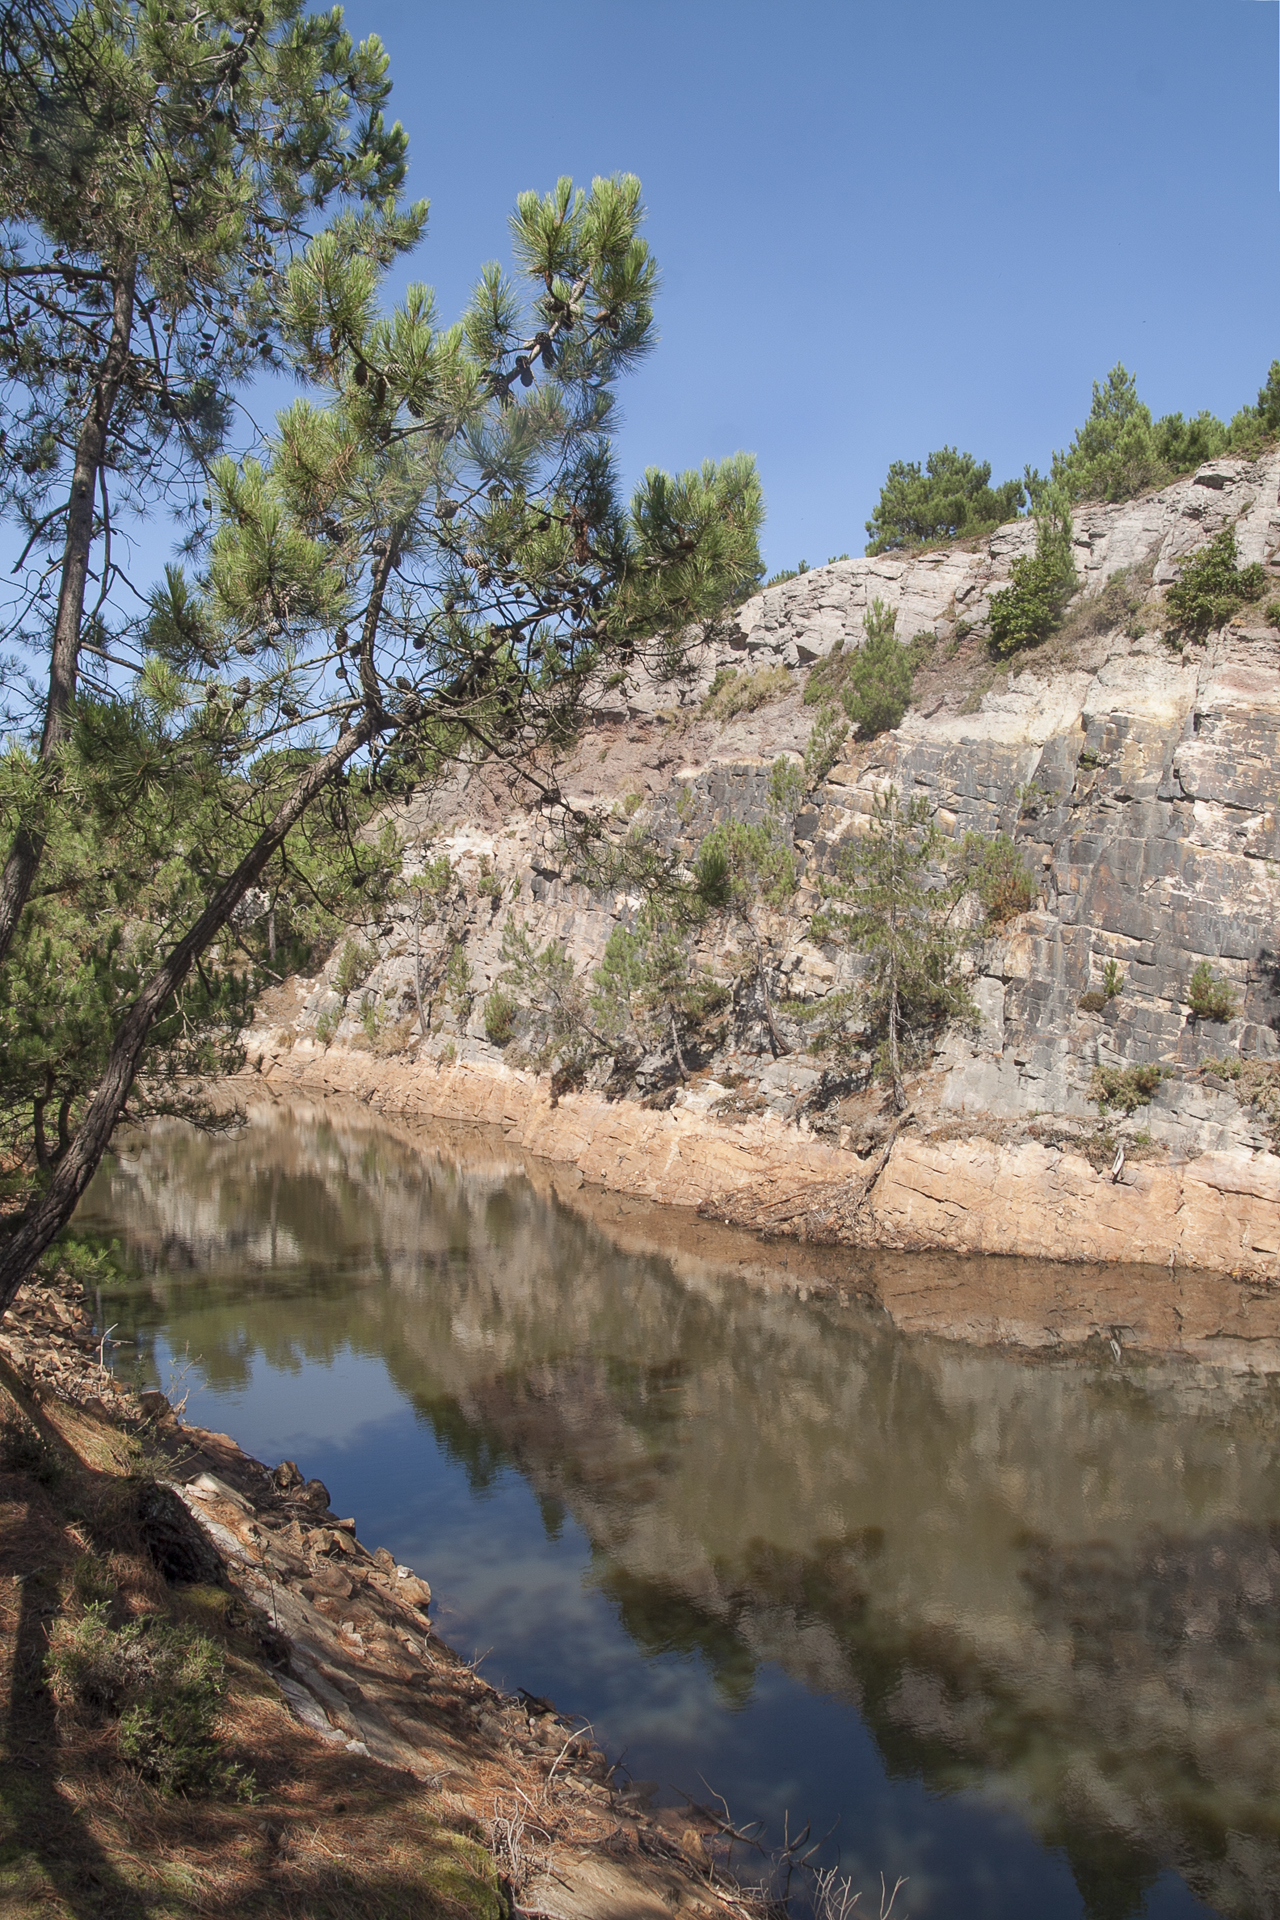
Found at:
<point>1139,782</point>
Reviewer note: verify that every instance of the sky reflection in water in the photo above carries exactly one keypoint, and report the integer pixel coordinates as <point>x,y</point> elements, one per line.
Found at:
<point>953,1604</point>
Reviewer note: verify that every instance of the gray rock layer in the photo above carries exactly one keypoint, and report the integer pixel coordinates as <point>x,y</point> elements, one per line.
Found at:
<point>1139,782</point>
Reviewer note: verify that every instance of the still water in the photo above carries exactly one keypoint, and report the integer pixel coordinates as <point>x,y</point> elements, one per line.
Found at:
<point>1007,1626</point>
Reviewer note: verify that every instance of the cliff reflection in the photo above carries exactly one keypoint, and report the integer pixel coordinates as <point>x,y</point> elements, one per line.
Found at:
<point>1054,1581</point>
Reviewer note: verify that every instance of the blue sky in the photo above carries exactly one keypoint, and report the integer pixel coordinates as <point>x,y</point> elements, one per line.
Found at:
<point>881,227</point>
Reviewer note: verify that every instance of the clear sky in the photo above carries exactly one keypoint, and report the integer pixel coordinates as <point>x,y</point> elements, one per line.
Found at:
<point>883,225</point>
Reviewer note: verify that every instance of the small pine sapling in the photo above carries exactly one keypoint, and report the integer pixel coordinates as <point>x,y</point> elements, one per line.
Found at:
<point>877,687</point>
<point>1207,997</point>
<point>892,902</point>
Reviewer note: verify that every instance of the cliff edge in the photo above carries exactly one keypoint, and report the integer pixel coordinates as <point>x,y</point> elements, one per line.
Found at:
<point>1138,779</point>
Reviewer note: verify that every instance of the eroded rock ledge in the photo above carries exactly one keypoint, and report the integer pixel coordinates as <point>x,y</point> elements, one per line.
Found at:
<point>1203,1233</point>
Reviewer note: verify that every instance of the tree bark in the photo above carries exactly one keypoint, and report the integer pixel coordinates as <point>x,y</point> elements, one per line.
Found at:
<point>776,1040</point>
<point>51,1210</point>
<point>417,964</point>
<point>895,1067</point>
<point>28,840</point>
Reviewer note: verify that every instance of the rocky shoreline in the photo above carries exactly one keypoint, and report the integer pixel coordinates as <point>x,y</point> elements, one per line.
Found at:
<point>1134,771</point>
<point>346,1646</point>
<point>1043,1247</point>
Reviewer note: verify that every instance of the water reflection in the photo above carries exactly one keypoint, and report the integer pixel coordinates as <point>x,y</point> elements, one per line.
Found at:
<point>923,1583</point>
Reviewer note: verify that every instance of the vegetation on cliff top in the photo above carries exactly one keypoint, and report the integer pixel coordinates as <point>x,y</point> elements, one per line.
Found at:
<point>1119,451</point>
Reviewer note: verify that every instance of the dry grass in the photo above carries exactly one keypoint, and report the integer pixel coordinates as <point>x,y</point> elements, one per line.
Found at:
<point>327,1836</point>
<point>733,692</point>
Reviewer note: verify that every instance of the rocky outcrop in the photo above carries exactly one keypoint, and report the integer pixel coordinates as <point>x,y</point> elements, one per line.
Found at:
<point>1140,784</point>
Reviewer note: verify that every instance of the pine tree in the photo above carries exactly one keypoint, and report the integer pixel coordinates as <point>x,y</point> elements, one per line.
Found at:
<point>432,563</point>
<point>649,988</point>
<point>952,496</point>
<point>892,901</point>
<point>122,866</point>
<point>741,871</point>
<point>878,680</point>
<point>159,167</point>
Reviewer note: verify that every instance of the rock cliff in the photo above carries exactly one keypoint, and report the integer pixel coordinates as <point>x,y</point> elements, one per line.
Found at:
<point>1139,782</point>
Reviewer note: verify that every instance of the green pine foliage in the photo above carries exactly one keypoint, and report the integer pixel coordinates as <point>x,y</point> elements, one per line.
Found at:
<point>868,688</point>
<point>1125,1088</point>
<point>996,871</point>
<point>500,1010</point>
<point>1208,997</point>
<point>1213,586</point>
<point>952,496</point>
<point>742,871</point>
<point>649,990</point>
<point>892,903</point>
<point>1121,450</point>
<point>877,683</point>
<point>160,168</point>
<point>826,742</point>
<point>1026,611</point>
<point>544,989</point>
<point>430,560</point>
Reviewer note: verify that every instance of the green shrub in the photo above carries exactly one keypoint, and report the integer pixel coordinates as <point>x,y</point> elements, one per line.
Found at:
<point>1114,608</point>
<point>1027,610</point>
<point>437,875</point>
<point>1124,1087</point>
<point>328,1020</point>
<point>1256,1083</point>
<point>1114,454</point>
<point>457,978</point>
<point>162,1685</point>
<point>999,876</point>
<point>878,680</point>
<point>1254,427</point>
<point>830,730</point>
<point>1272,612</point>
<point>1209,999</point>
<point>786,785</point>
<point>825,679</point>
<point>370,1016</point>
<point>1112,980</point>
<point>952,496</point>
<point>1183,445</point>
<point>1212,586</point>
<point>500,1017</point>
<point>784,574</point>
<point>91,1581</point>
<point>1121,451</point>
<point>354,963</point>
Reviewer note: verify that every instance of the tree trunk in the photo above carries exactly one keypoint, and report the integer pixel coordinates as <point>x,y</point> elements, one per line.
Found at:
<point>28,840</point>
<point>417,964</point>
<point>675,1040</point>
<point>895,1065</point>
<point>50,1211</point>
<point>776,1040</point>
